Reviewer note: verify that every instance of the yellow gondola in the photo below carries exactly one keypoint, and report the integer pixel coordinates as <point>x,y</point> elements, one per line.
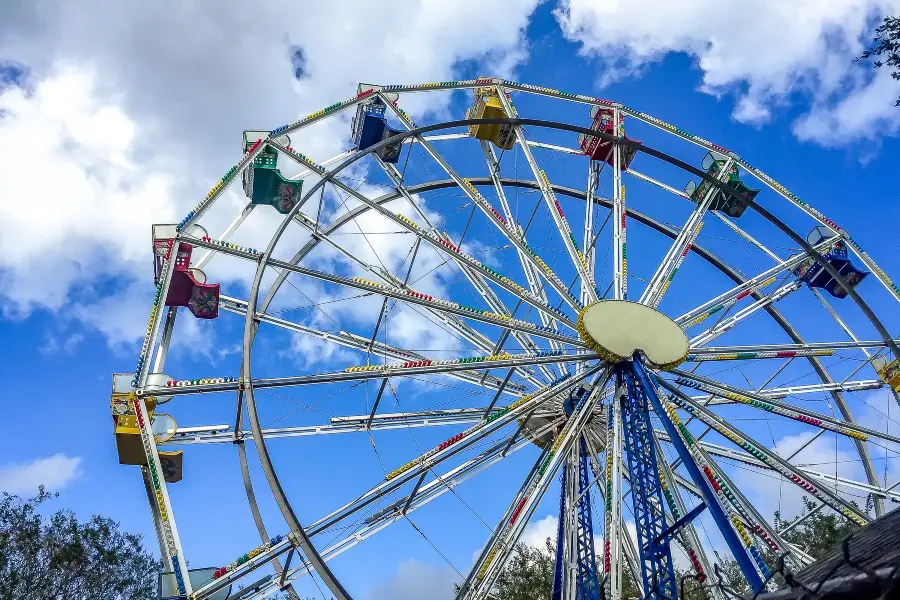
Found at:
<point>889,372</point>
<point>487,106</point>
<point>128,436</point>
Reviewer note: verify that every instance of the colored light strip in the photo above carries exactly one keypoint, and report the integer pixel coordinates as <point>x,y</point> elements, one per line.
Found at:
<point>230,245</point>
<point>145,346</point>
<point>714,421</point>
<point>455,361</point>
<point>152,458</point>
<point>756,355</point>
<point>790,414</point>
<point>247,557</point>
<point>469,309</point>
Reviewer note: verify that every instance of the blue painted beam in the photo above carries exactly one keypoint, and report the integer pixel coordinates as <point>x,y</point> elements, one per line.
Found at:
<point>657,567</point>
<point>680,524</point>
<point>748,568</point>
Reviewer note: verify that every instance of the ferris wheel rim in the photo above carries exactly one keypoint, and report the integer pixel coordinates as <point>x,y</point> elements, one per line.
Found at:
<point>262,264</point>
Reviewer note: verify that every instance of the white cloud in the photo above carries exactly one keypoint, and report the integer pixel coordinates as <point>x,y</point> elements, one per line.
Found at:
<point>763,51</point>
<point>75,207</point>
<point>866,109</point>
<point>54,472</point>
<point>417,580</point>
<point>537,532</point>
<point>144,141</point>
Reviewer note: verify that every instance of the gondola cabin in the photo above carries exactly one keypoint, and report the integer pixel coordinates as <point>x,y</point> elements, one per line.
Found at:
<point>264,183</point>
<point>188,287</point>
<point>488,106</point>
<point>370,125</point>
<point>814,275</point>
<point>713,163</point>
<point>888,371</point>
<point>598,148</point>
<point>129,446</point>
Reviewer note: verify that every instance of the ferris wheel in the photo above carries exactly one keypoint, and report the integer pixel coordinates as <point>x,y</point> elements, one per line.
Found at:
<point>474,303</point>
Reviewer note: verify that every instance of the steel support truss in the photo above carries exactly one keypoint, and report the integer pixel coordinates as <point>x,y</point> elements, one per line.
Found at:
<point>657,569</point>
<point>575,575</point>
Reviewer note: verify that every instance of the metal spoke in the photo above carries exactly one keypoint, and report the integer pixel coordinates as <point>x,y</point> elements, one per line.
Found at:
<point>382,519</point>
<point>749,459</point>
<point>667,269</point>
<point>409,296</point>
<point>356,342</point>
<point>439,243</point>
<point>620,257</point>
<point>474,278</point>
<point>365,372</point>
<point>744,289</point>
<point>218,434</point>
<point>531,272</point>
<point>428,460</point>
<point>497,552</point>
<point>787,349</point>
<point>729,323</point>
<point>576,254</point>
<point>478,200</point>
<point>678,508</point>
<point>452,321</point>
<point>613,530</point>
<point>717,388</point>
<point>763,453</point>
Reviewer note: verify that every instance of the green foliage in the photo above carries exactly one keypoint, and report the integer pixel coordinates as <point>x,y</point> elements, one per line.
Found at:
<point>817,534</point>
<point>887,45</point>
<point>57,557</point>
<point>528,574</point>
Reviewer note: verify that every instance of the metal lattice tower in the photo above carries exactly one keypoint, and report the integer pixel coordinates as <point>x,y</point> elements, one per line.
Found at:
<point>657,570</point>
<point>575,574</point>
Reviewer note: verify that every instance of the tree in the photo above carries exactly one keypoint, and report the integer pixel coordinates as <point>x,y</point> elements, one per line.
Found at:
<point>886,44</point>
<point>57,557</point>
<point>819,533</point>
<point>527,576</point>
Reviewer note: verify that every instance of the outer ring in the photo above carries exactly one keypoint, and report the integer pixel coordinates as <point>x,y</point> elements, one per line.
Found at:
<point>249,333</point>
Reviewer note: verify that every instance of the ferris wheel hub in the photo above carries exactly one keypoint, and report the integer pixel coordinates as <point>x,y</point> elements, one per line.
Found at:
<point>616,329</point>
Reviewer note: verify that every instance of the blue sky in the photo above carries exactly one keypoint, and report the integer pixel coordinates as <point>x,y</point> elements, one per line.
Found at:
<point>133,128</point>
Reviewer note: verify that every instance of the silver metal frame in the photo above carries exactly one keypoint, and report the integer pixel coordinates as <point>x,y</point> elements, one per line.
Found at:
<point>254,310</point>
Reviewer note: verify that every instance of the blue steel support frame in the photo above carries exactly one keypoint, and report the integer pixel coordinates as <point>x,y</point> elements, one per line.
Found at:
<point>588,581</point>
<point>748,568</point>
<point>657,568</point>
<point>587,585</point>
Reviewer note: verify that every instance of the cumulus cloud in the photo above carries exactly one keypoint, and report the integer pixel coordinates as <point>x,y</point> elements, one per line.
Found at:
<point>739,51</point>
<point>537,532</point>
<point>417,580</point>
<point>144,141</point>
<point>53,472</point>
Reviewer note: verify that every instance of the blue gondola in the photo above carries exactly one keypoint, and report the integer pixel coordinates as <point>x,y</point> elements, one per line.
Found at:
<point>370,127</point>
<point>814,275</point>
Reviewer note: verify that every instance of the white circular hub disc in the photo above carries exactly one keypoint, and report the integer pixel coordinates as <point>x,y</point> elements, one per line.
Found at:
<point>616,329</point>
